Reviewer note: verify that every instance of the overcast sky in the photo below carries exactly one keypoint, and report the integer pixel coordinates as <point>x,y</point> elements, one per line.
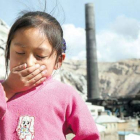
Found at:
<point>117,25</point>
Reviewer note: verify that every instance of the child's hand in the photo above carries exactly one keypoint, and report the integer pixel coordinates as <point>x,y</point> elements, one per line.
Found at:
<point>22,78</point>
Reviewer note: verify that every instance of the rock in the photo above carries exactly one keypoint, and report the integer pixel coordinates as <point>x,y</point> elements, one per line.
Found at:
<point>4,29</point>
<point>119,78</point>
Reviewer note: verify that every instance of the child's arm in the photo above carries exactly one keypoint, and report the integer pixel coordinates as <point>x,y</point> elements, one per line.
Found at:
<point>80,121</point>
<point>2,102</point>
<point>21,79</point>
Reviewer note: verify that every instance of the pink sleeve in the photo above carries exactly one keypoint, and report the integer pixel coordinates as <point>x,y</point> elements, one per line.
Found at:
<point>2,102</point>
<point>80,121</point>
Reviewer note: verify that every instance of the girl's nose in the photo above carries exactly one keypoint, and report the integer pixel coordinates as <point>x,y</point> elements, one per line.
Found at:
<point>30,61</point>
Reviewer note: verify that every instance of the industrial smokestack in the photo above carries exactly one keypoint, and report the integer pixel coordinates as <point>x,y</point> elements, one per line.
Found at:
<point>92,67</point>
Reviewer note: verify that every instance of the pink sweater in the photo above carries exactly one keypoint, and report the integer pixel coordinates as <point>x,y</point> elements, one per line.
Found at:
<point>46,112</point>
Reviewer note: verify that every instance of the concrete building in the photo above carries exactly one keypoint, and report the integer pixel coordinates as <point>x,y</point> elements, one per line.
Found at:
<point>95,110</point>
<point>111,125</point>
<point>130,125</point>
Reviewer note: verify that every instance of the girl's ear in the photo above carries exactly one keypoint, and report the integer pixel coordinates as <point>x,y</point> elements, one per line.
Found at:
<point>59,61</point>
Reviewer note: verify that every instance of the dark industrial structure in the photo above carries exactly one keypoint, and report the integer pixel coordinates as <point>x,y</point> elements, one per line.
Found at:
<point>92,66</point>
<point>121,106</point>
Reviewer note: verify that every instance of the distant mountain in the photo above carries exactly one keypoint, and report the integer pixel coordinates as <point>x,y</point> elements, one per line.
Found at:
<point>116,79</point>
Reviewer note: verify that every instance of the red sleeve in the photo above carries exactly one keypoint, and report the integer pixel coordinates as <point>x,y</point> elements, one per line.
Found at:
<point>79,120</point>
<point>3,104</point>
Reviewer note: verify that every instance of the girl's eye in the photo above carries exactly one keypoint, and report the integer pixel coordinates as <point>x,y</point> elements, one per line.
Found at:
<point>20,53</point>
<point>41,57</point>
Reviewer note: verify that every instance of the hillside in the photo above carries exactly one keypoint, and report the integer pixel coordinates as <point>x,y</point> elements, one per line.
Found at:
<point>115,79</point>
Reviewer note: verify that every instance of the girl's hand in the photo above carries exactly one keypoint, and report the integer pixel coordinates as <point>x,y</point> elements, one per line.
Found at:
<point>22,78</point>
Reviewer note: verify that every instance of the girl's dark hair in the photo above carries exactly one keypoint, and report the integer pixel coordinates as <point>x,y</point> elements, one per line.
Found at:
<point>44,21</point>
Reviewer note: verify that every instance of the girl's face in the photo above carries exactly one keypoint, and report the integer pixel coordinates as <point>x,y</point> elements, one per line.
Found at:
<point>31,46</point>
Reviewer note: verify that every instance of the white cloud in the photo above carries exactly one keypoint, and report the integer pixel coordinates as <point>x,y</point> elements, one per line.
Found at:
<point>75,40</point>
<point>113,47</point>
<point>127,27</point>
<point>81,55</point>
<point>120,41</point>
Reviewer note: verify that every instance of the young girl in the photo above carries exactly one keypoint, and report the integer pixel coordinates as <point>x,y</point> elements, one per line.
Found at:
<point>34,106</point>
